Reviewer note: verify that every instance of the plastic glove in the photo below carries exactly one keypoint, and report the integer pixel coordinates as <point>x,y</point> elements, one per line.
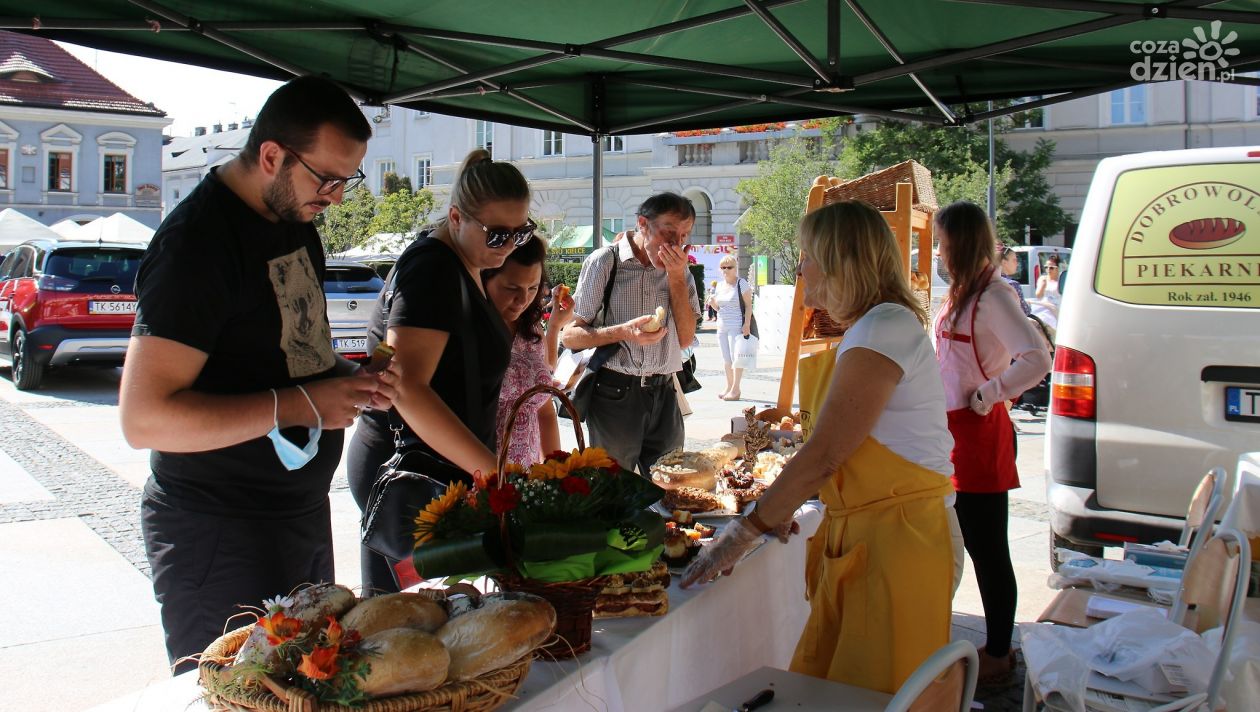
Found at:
<point>978,405</point>
<point>737,539</point>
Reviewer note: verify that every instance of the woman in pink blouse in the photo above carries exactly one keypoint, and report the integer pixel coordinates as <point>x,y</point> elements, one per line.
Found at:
<point>989,353</point>
<point>516,290</point>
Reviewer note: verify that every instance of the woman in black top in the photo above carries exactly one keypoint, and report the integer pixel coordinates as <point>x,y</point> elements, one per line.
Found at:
<point>435,314</point>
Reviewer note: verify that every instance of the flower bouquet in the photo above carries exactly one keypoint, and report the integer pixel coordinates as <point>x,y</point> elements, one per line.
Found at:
<point>552,529</point>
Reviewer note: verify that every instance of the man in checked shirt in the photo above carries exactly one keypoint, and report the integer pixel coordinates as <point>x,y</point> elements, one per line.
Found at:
<point>634,412</point>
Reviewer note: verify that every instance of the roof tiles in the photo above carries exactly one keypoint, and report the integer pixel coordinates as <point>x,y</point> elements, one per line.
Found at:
<point>63,82</point>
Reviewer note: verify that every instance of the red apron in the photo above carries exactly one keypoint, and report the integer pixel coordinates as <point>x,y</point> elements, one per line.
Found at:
<point>984,445</point>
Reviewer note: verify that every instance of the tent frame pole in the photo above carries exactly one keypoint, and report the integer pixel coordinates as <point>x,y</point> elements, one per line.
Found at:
<point>882,38</point>
<point>789,39</point>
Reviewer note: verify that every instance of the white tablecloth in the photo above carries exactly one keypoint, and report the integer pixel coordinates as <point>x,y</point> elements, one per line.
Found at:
<point>709,637</point>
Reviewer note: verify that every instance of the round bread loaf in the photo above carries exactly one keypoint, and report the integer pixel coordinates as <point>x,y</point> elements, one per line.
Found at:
<point>722,454</point>
<point>395,610</point>
<point>406,660</point>
<point>672,476</point>
<point>312,604</point>
<point>500,630</point>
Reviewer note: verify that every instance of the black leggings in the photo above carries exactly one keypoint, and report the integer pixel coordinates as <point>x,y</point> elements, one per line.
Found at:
<point>982,518</point>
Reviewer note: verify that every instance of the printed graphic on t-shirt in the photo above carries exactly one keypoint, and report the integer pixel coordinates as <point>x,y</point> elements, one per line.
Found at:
<point>304,335</point>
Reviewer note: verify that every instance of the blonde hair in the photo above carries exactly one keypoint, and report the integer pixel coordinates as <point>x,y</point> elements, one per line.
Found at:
<point>481,180</point>
<point>860,259</point>
<point>727,260</point>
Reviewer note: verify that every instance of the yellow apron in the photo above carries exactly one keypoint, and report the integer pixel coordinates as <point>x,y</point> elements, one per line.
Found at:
<point>879,570</point>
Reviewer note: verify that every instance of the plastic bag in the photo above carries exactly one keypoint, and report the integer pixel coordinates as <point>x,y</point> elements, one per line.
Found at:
<point>1132,643</point>
<point>1060,674</point>
<point>1076,569</point>
<point>1242,686</point>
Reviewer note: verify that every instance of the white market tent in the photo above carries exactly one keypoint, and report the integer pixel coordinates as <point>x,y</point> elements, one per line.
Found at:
<point>115,228</point>
<point>382,243</point>
<point>16,228</point>
<point>66,228</point>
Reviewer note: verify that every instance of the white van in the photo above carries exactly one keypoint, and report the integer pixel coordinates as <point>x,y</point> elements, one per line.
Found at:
<point>1157,364</point>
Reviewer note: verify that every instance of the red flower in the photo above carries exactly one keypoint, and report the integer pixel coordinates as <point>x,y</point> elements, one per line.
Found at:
<point>575,485</point>
<point>280,628</point>
<point>504,499</point>
<point>320,664</point>
<point>558,456</point>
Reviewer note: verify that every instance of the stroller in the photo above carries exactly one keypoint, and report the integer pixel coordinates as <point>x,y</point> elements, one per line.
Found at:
<point>1036,400</point>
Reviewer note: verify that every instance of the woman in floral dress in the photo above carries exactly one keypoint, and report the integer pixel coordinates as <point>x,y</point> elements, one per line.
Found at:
<point>515,290</point>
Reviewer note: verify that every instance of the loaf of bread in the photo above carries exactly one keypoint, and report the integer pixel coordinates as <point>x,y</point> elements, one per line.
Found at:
<point>656,322</point>
<point>500,629</point>
<point>311,605</point>
<point>722,454</point>
<point>404,660</point>
<point>679,468</point>
<point>395,610</point>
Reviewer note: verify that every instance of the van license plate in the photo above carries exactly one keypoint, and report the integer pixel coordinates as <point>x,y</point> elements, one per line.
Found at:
<point>350,344</point>
<point>1242,404</point>
<point>111,307</point>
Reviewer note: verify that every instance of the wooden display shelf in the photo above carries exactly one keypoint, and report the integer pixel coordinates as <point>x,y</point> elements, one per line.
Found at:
<point>908,220</point>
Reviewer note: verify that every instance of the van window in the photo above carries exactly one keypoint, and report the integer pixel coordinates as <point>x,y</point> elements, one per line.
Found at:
<point>1183,236</point>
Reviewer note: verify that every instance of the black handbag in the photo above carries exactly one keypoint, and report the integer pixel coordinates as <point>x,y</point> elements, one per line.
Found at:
<point>743,310</point>
<point>687,376</point>
<point>584,389</point>
<point>408,481</point>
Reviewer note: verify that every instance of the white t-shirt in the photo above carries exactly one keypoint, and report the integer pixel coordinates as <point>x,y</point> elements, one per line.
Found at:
<point>913,424</point>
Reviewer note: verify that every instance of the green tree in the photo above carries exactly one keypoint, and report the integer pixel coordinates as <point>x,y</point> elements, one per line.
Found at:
<point>402,211</point>
<point>958,158</point>
<point>776,197</point>
<point>347,225</point>
<point>391,183</point>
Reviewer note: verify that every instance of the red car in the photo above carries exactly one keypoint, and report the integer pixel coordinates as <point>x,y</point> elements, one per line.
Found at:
<point>64,303</point>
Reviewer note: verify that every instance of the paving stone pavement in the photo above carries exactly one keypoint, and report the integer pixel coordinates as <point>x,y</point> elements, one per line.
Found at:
<point>81,486</point>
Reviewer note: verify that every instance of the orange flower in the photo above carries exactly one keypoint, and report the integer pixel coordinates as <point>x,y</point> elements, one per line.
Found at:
<point>280,628</point>
<point>435,510</point>
<point>595,458</point>
<point>320,663</point>
<point>333,632</point>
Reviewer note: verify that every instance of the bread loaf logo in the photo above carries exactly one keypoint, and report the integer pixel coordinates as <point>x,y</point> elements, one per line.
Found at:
<point>1195,235</point>
<point>1207,233</point>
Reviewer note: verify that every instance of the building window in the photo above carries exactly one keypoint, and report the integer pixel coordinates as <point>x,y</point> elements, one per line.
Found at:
<point>424,172</point>
<point>614,225</point>
<point>1128,106</point>
<point>115,174</point>
<point>1030,119</point>
<point>484,137</point>
<point>614,144</point>
<point>553,143</point>
<point>60,170</point>
<point>383,167</point>
<point>4,168</point>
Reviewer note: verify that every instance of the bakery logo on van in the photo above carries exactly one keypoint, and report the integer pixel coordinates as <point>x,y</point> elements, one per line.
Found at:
<point>1196,234</point>
<point>1201,57</point>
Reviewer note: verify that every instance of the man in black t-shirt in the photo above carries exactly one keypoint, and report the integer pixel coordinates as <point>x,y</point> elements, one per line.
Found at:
<point>231,379</point>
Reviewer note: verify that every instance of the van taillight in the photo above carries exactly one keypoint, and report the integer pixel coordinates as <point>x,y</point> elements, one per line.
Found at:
<point>1072,384</point>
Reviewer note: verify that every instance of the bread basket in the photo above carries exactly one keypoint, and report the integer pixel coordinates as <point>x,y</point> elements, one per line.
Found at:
<point>481,694</point>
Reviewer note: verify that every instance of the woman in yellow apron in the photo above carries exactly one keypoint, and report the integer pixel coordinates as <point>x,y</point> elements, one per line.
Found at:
<point>879,570</point>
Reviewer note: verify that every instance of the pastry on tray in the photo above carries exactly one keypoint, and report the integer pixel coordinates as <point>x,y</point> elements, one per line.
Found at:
<point>691,499</point>
<point>635,594</point>
<point>681,545</point>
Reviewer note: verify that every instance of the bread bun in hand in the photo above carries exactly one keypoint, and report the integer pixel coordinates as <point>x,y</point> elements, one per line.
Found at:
<point>563,300</point>
<point>498,631</point>
<point>395,610</point>
<point>656,322</point>
<point>404,660</point>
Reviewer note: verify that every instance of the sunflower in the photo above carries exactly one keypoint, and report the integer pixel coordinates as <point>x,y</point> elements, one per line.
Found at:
<point>592,458</point>
<point>428,518</point>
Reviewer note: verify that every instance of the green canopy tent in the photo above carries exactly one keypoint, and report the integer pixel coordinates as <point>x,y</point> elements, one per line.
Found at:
<point>639,66</point>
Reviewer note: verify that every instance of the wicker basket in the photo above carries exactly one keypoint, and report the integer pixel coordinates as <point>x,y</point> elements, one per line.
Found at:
<point>481,694</point>
<point>574,601</point>
<point>880,188</point>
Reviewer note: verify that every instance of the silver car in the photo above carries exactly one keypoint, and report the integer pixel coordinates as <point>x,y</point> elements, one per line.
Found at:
<point>351,289</point>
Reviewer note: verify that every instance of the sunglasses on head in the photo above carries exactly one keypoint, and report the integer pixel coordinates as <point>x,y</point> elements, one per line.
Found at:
<point>497,237</point>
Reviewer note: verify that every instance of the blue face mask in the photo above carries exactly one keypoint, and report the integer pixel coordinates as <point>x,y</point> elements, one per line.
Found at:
<point>292,456</point>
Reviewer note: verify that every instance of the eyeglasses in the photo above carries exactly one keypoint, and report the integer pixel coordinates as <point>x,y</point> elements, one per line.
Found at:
<point>728,266</point>
<point>497,237</point>
<point>328,184</point>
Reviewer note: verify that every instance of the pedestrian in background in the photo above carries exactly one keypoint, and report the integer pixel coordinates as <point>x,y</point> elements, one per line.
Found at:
<point>231,378</point>
<point>732,298</point>
<point>988,352</point>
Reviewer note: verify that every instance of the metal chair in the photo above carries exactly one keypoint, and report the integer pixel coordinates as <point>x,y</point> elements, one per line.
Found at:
<point>949,675</point>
